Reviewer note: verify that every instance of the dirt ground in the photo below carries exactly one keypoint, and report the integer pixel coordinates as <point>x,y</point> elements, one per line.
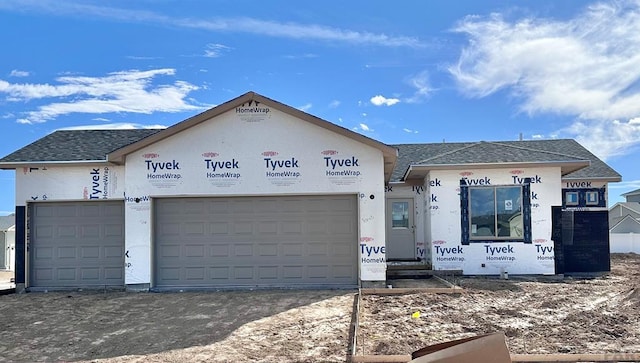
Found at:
<point>246,326</point>
<point>572,316</point>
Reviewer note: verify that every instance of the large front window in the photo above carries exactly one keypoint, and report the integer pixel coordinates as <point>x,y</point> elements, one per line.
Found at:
<point>495,213</point>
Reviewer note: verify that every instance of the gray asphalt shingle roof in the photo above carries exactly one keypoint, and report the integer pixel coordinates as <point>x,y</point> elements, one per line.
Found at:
<point>85,145</point>
<point>77,145</point>
<point>501,152</point>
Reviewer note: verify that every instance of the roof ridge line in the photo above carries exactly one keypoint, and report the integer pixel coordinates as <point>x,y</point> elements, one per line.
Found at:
<point>448,152</point>
<point>504,143</point>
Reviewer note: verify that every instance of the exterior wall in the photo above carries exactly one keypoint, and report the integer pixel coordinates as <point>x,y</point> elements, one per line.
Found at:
<point>443,207</point>
<point>239,154</point>
<point>62,183</point>
<point>633,198</point>
<point>572,184</point>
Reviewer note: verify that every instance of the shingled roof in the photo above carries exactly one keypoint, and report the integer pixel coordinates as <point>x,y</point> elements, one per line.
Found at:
<point>75,145</point>
<point>94,145</point>
<point>530,151</point>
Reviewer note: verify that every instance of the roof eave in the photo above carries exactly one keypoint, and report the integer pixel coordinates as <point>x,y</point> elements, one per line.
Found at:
<point>22,164</point>
<point>609,179</point>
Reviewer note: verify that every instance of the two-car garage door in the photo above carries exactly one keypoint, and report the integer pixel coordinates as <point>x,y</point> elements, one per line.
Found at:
<point>256,241</point>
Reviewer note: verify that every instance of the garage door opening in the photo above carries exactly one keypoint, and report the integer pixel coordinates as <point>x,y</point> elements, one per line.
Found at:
<point>230,242</point>
<point>76,245</point>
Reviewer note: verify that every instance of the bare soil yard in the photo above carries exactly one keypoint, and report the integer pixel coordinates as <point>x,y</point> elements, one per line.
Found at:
<point>573,316</point>
<point>246,326</point>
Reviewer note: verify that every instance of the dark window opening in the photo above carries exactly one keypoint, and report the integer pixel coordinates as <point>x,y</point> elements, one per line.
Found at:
<point>495,213</point>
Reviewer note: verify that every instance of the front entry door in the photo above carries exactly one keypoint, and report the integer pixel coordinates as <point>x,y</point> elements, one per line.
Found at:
<point>401,242</point>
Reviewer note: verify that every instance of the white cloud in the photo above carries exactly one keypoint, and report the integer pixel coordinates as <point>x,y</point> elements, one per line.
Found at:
<point>227,25</point>
<point>604,138</point>
<point>363,128</point>
<point>136,57</point>
<point>306,107</point>
<point>213,50</point>
<point>409,131</point>
<point>19,73</point>
<point>101,119</point>
<point>586,67</point>
<point>334,104</point>
<point>126,91</point>
<point>380,100</point>
<point>301,56</point>
<point>423,89</point>
<point>114,126</point>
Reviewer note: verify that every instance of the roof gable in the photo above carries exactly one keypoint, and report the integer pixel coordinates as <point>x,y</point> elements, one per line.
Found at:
<point>625,224</point>
<point>390,154</point>
<point>246,98</point>
<point>631,206</point>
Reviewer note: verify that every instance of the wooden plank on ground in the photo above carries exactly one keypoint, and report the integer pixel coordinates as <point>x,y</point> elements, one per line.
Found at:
<point>411,290</point>
<point>605,357</point>
<point>401,358</point>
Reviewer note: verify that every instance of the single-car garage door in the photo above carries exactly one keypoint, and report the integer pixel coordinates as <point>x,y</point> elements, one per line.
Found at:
<point>256,241</point>
<point>76,244</point>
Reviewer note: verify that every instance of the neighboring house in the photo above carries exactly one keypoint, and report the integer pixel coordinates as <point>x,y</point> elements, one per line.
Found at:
<point>255,193</point>
<point>632,196</point>
<point>624,224</point>
<point>7,242</point>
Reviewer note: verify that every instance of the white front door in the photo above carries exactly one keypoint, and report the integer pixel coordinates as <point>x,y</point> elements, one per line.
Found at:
<point>401,243</point>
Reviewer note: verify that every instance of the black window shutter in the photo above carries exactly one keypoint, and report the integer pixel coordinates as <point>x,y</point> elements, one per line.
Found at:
<point>464,212</point>
<point>526,209</point>
<point>602,201</point>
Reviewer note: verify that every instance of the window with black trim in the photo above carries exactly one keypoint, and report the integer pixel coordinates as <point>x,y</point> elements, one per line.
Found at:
<point>584,198</point>
<point>571,198</point>
<point>495,213</point>
<point>592,198</point>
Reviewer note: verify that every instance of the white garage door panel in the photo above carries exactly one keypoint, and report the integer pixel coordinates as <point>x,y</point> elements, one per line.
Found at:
<point>256,241</point>
<point>76,244</point>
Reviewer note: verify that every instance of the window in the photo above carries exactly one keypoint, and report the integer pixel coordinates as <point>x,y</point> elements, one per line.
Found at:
<point>495,213</point>
<point>584,198</point>
<point>400,215</point>
<point>572,198</point>
<point>592,198</point>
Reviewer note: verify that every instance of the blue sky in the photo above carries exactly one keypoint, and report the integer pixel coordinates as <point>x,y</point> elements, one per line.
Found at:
<point>412,72</point>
